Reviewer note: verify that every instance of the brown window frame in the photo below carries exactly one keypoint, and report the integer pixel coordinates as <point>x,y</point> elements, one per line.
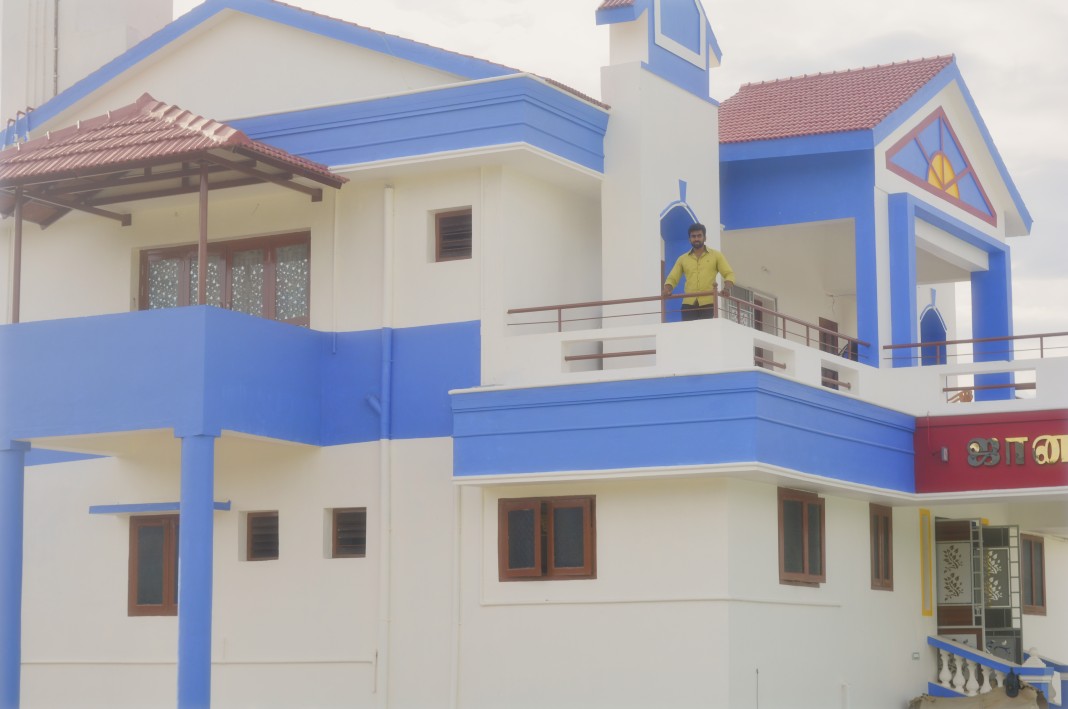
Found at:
<point>881,528</point>
<point>544,568</point>
<point>440,254</point>
<point>169,605</point>
<point>250,518</point>
<point>1028,606</point>
<point>335,533</point>
<point>805,577</point>
<point>227,249</point>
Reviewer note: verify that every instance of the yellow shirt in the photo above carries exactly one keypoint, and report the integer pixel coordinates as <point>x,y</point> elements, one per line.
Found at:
<point>700,274</point>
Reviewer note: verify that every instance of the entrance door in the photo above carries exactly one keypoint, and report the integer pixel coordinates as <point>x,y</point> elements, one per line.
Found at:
<point>978,592</point>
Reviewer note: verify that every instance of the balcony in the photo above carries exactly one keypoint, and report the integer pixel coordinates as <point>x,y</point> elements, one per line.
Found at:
<point>194,369</point>
<point>627,339</point>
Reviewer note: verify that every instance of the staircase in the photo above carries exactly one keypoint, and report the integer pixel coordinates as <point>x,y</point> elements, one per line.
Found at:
<point>964,671</point>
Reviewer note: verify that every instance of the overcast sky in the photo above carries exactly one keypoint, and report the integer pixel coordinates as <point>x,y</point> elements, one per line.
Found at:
<point>1013,56</point>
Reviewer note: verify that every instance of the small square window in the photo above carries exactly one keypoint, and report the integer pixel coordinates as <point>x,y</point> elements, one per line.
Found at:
<point>546,538</point>
<point>452,235</point>
<point>802,546</point>
<point>262,536</point>
<point>349,533</point>
<point>881,525</point>
<point>1033,574</point>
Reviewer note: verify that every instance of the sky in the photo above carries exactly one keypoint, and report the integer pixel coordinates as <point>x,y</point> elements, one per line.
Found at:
<point>1013,57</point>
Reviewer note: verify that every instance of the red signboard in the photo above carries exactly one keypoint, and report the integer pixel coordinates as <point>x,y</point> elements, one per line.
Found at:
<point>992,451</point>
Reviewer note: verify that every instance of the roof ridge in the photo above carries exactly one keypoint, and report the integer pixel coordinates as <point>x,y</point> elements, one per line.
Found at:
<point>855,70</point>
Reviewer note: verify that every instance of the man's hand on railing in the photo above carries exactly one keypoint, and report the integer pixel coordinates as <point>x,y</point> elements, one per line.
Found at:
<point>666,290</point>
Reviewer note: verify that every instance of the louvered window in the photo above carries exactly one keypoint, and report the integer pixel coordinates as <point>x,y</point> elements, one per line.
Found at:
<point>453,235</point>
<point>349,533</point>
<point>262,544</point>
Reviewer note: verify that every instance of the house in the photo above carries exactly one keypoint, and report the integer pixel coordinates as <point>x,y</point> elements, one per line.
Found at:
<point>355,387</point>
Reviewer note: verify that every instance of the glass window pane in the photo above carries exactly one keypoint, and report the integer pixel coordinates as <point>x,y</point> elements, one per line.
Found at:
<point>1040,570</point>
<point>792,531</point>
<point>876,548</point>
<point>568,543</point>
<point>163,279</point>
<point>815,540</point>
<point>1026,573</point>
<point>521,539</point>
<point>886,548</point>
<point>291,282</point>
<point>216,266</point>
<point>247,281</point>
<point>150,565</point>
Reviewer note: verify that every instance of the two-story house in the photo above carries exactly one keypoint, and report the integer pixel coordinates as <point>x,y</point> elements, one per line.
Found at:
<point>336,372</point>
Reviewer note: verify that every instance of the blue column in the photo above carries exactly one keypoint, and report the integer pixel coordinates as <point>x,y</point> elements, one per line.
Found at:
<point>903,328</point>
<point>195,552</point>
<point>992,317</point>
<point>12,486</point>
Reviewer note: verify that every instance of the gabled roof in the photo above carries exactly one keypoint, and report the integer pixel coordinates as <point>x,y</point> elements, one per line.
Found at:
<point>464,66</point>
<point>836,102</point>
<point>609,4</point>
<point>142,150</point>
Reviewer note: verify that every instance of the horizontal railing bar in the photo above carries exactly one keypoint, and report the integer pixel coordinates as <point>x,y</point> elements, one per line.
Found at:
<point>836,384</point>
<point>975,340</point>
<point>771,362</point>
<point>789,318</point>
<point>606,355</point>
<point>984,387</point>
<point>618,301</point>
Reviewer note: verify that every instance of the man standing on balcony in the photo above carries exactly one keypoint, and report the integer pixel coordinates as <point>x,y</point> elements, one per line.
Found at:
<point>699,265</point>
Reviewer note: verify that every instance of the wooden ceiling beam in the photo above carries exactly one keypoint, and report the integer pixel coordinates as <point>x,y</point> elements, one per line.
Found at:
<point>280,179</point>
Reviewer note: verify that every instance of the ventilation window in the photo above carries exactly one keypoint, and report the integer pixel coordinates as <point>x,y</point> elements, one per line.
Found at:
<point>452,232</point>
<point>349,533</point>
<point>262,536</point>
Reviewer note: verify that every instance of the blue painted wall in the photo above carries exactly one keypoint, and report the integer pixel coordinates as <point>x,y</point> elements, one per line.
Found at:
<point>203,369</point>
<point>698,420</point>
<point>514,110</point>
<point>766,192</point>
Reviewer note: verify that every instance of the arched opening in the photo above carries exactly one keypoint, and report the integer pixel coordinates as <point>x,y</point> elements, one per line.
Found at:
<point>675,235</point>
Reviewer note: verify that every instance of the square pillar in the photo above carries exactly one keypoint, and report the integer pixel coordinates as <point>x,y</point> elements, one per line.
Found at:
<point>12,487</point>
<point>195,558</point>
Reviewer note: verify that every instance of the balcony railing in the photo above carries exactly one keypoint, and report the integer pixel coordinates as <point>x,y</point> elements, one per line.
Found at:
<point>728,307</point>
<point>1047,344</point>
<point>965,671</point>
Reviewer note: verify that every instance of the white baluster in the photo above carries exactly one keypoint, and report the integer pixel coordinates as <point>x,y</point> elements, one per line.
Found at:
<point>972,687</point>
<point>987,671</point>
<point>958,674</point>
<point>944,674</point>
<point>1000,676</point>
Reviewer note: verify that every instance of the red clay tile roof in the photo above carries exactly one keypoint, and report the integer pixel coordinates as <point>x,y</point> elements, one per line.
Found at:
<point>858,99</point>
<point>609,4</point>
<point>146,131</point>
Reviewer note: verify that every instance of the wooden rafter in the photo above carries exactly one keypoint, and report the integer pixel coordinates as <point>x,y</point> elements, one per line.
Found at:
<point>281,179</point>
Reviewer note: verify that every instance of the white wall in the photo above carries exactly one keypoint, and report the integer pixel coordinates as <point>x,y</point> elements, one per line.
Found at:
<point>245,50</point>
<point>658,135</point>
<point>297,631</point>
<point>813,646</point>
<point>646,632</point>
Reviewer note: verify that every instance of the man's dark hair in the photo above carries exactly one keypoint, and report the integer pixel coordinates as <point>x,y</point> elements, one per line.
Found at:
<point>697,226</point>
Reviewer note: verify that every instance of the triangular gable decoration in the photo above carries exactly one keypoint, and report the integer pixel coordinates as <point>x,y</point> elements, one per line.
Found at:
<point>931,156</point>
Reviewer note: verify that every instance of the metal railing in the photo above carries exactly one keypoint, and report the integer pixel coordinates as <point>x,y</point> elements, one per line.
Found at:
<point>1043,348</point>
<point>727,307</point>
